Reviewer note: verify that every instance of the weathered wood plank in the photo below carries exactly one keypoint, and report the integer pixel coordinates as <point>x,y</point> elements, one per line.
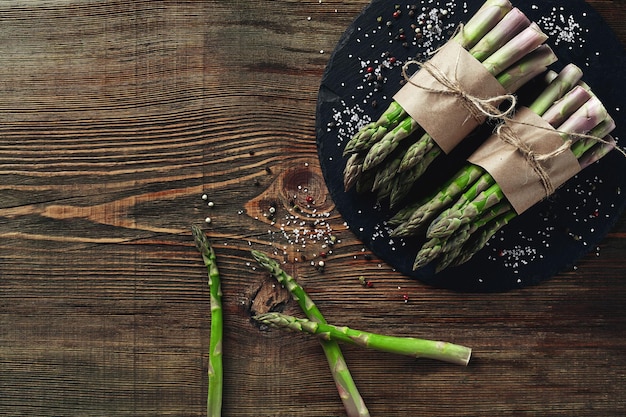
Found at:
<point>115,117</point>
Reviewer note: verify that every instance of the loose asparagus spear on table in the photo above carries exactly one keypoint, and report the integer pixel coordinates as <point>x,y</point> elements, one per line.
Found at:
<point>409,346</point>
<point>215,373</point>
<point>348,391</point>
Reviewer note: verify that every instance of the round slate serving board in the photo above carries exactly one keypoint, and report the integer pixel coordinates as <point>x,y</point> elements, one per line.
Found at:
<point>363,74</point>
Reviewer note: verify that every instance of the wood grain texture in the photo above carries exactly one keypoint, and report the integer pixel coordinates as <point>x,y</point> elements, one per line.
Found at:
<point>116,116</point>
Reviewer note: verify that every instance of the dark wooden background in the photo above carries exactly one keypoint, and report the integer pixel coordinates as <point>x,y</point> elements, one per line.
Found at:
<point>115,118</point>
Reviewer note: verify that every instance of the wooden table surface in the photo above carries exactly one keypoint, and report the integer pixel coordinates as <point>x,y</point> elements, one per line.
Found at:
<point>117,116</point>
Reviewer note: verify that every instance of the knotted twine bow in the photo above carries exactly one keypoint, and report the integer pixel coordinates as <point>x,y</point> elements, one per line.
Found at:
<point>477,107</point>
<point>532,158</point>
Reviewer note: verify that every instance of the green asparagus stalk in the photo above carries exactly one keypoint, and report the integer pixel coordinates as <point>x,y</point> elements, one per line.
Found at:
<point>410,220</point>
<point>409,346</point>
<point>453,246</point>
<point>402,184</point>
<point>215,372</point>
<point>527,68</point>
<point>348,392</point>
<point>478,240</point>
<point>447,249</point>
<point>482,22</point>
<point>383,180</point>
<point>353,170</point>
<point>597,151</point>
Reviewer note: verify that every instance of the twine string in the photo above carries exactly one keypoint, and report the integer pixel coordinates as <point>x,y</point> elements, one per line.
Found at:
<point>532,158</point>
<point>478,108</point>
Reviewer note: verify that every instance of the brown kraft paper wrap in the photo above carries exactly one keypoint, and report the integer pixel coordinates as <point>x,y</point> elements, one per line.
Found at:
<point>510,167</point>
<point>441,112</point>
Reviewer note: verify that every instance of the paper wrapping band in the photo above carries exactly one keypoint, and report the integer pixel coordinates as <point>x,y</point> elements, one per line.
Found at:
<point>441,112</point>
<point>510,166</point>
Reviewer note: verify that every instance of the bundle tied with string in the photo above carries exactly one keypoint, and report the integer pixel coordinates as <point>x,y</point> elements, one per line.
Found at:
<point>528,158</point>
<point>451,95</point>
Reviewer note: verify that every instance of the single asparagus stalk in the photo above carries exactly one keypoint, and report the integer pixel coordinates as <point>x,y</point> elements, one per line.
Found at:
<point>533,64</point>
<point>409,346</point>
<point>601,131</point>
<point>515,49</point>
<point>585,118</point>
<point>402,184</point>
<point>482,22</point>
<point>384,178</point>
<point>348,392</point>
<point>352,170</point>
<point>375,131</point>
<point>558,86</point>
<point>215,372</point>
<point>597,152</point>
<point>565,106</point>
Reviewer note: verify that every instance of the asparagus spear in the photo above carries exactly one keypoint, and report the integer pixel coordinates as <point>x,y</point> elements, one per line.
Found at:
<point>373,132</point>
<point>478,240</point>
<point>348,392</point>
<point>402,184</point>
<point>215,372</point>
<point>409,346</point>
<point>409,223</point>
<point>352,171</point>
<point>453,246</point>
<point>485,19</point>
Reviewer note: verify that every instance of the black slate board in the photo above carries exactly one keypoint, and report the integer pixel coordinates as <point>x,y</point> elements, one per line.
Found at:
<point>544,240</point>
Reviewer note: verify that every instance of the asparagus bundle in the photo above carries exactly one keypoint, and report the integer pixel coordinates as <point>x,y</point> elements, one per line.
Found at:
<point>507,44</point>
<point>215,373</point>
<point>409,346</point>
<point>478,240</point>
<point>472,179</point>
<point>472,207</point>
<point>352,400</point>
